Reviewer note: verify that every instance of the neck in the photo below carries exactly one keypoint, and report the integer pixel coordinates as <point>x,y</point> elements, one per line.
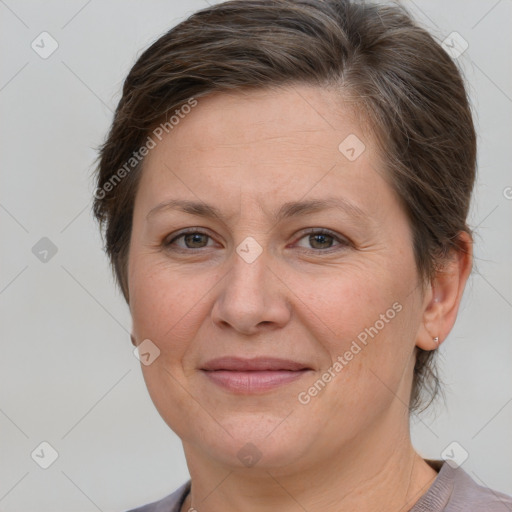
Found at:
<point>371,474</point>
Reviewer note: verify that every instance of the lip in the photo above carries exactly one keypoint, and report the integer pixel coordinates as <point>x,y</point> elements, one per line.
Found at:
<point>247,376</point>
<point>239,364</point>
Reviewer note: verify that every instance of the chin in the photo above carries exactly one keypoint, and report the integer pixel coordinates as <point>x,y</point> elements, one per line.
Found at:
<point>256,444</point>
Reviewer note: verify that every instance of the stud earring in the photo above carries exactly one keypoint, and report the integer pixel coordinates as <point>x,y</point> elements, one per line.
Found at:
<point>436,339</point>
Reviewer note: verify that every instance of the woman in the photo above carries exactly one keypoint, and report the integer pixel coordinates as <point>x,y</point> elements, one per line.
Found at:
<point>284,192</point>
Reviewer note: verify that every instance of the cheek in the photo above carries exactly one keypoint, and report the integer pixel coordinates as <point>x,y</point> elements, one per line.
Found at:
<point>347,300</point>
<point>168,308</point>
<point>166,304</point>
<point>365,321</point>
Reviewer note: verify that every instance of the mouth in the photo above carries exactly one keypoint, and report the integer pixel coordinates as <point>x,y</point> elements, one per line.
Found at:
<point>247,376</point>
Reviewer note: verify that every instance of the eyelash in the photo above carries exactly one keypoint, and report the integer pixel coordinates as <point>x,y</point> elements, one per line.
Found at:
<point>342,242</point>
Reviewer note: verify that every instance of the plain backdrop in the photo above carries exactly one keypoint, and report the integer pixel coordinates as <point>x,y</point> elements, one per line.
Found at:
<point>68,374</point>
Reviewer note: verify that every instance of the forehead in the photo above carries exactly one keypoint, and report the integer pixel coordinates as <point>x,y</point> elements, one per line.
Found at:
<point>265,144</point>
<point>259,115</point>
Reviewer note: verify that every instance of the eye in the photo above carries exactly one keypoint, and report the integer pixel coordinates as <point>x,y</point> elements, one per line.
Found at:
<point>322,240</point>
<point>192,239</point>
<point>319,240</point>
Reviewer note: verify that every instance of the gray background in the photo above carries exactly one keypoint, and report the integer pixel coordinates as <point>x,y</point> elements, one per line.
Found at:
<point>68,374</point>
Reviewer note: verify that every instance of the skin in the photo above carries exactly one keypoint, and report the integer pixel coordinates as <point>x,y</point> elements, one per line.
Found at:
<point>303,298</point>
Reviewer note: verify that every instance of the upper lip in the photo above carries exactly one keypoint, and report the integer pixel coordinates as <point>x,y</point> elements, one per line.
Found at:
<point>254,364</point>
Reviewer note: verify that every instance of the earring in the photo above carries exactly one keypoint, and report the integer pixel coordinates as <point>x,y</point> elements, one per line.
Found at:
<point>436,339</point>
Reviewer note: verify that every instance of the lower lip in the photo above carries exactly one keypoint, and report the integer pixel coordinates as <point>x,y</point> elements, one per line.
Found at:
<point>253,382</point>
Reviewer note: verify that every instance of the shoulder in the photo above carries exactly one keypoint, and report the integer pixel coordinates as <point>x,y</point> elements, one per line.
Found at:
<point>171,503</point>
<point>454,490</point>
<point>473,496</point>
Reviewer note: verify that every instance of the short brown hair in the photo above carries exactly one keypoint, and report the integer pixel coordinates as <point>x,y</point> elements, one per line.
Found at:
<point>403,82</point>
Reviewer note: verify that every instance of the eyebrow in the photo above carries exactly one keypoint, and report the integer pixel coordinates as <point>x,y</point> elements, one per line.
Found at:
<point>287,210</point>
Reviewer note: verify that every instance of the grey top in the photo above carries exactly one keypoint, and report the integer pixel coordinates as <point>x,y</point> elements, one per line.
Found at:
<point>453,490</point>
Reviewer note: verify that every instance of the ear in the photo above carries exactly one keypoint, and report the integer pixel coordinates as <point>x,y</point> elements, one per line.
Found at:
<point>444,293</point>
<point>133,340</point>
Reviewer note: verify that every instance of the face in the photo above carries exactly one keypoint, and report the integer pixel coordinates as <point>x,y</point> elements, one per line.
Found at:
<point>307,257</point>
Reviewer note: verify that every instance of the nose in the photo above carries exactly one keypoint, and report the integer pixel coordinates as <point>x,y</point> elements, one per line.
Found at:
<point>251,298</point>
